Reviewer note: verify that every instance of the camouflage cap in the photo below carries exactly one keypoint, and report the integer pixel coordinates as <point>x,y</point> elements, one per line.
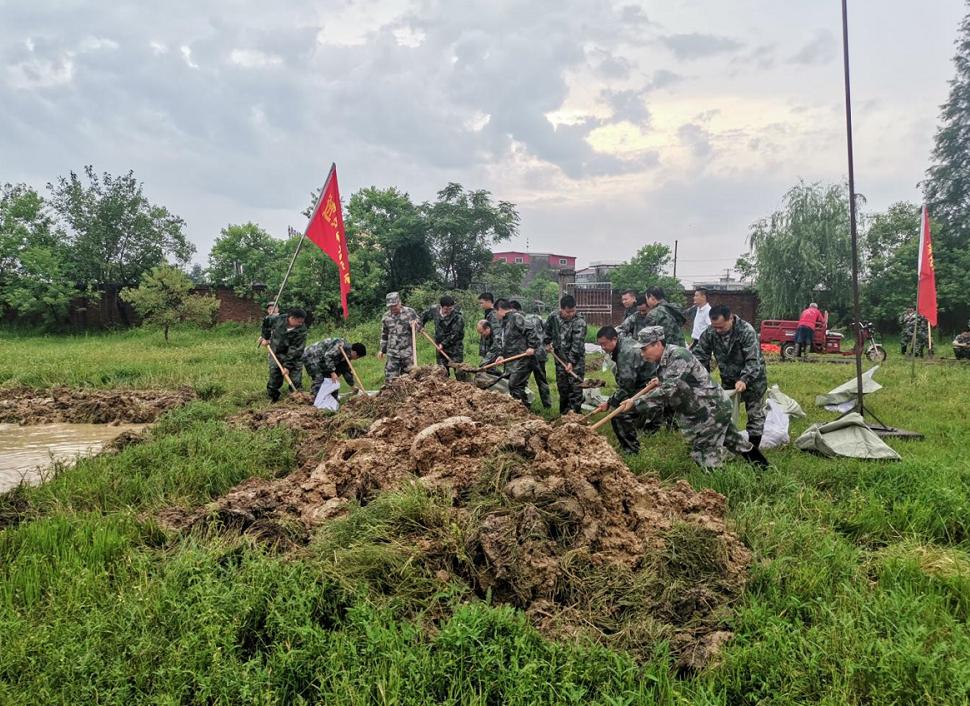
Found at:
<point>392,298</point>
<point>650,334</point>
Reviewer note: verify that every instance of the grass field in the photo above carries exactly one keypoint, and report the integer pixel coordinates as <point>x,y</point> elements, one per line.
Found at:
<point>859,592</point>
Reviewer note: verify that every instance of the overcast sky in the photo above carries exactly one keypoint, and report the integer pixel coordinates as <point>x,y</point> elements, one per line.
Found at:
<point>609,124</point>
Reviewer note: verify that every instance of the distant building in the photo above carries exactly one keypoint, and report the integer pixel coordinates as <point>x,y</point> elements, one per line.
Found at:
<point>536,259</point>
<point>536,262</point>
<point>596,272</point>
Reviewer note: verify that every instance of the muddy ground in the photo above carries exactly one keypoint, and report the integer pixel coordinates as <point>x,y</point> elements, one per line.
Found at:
<point>549,517</point>
<point>26,405</point>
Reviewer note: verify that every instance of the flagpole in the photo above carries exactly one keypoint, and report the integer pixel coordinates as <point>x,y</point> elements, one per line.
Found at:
<point>333,168</point>
<point>919,271</point>
<point>852,212</point>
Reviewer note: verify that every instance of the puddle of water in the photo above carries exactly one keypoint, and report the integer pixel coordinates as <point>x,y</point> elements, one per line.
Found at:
<point>27,452</point>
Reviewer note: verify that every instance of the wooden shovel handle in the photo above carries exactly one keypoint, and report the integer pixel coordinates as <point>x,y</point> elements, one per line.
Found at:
<point>507,360</point>
<point>286,375</point>
<point>563,364</point>
<point>353,370</point>
<point>435,344</point>
<point>652,385</point>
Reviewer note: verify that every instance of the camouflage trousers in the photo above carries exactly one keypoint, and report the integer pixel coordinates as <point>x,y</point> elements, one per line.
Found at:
<point>276,380</point>
<point>712,436</point>
<point>753,399</point>
<point>519,372</point>
<point>570,393</point>
<point>542,382</point>
<point>456,357</point>
<point>627,427</point>
<point>396,365</point>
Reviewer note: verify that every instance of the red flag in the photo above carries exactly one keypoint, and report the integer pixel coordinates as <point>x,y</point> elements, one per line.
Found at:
<point>326,230</point>
<point>926,289</point>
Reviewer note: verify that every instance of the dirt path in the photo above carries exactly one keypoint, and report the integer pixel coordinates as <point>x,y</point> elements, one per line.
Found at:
<point>552,520</point>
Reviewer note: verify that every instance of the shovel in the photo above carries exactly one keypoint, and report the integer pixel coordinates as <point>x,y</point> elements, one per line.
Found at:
<point>435,344</point>
<point>360,385</point>
<point>286,375</point>
<point>652,385</point>
<point>583,384</point>
<point>492,365</point>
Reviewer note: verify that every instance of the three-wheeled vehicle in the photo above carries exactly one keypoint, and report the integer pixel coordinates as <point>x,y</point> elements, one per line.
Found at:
<point>782,333</point>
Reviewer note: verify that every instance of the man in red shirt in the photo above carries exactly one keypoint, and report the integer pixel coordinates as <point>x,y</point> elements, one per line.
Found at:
<point>806,329</point>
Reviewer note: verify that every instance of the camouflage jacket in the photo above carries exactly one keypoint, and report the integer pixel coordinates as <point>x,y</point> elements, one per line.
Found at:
<point>912,321</point>
<point>568,338</point>
<point>396,333</point>
<point>738,353</point>
<point>323,359</point>
<point>632,371</point>
<point>514,337</point>
<point>449,331</point>
<point>686,386</point>
<point>632,324</point>
<point>286,343</point>
<point>485,344</point>
<point>536,322</point>
<point>671,318</point>
<point>628,312</point>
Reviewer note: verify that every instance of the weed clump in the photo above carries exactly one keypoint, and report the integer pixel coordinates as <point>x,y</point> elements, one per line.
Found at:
<point>436,484</point>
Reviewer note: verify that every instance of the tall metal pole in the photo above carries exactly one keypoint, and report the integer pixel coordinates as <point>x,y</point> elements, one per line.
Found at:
<point>852,214</point>
<point>675,259</point>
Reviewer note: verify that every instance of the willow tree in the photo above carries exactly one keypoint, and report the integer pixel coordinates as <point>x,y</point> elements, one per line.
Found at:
<point>803,252</point>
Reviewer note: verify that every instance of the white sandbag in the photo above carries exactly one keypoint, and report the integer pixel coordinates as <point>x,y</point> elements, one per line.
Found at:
<point>325,398</point>
<point>776,427</point>
<point>788,405</point>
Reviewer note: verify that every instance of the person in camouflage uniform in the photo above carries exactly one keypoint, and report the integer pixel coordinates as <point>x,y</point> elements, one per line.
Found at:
<point>514,337</point>
<point>637,320</point>
<point>565,335</point>
<point>538,361</point>
<point>703,411</point>
<point>397,341</point>
<point>961,345</point>
<point>632,375</point>
<point>629,301</point>
<point>913,322</point>
<point>487,301</point>
<point>669,316</point>
<point>324,360</point>
<point>272,309</point>
<point>449,334</point>
<point>285,336</point>
<point>735,344</point>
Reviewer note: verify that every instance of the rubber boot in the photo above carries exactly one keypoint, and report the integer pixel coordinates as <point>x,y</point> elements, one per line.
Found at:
<point>755,458</point>
<point>755,440</point>
<point>798,350</point>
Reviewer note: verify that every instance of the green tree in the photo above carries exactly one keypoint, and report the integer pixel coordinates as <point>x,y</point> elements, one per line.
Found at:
<point>464,225</point>
<point>503,278</point>
<point>244,254</point>
<point>647,269</point>
<point>891,248</point>
<point>543,288</point>
<point>164,299</point>
<point>947,187</point>
<point>803,252</point>
<point>35,279</point>
<point>390,232</point>
<point>114,232</point>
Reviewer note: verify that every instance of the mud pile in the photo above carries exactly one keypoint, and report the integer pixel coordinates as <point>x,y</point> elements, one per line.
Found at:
<point>25,405</point>
<point>550,518</point>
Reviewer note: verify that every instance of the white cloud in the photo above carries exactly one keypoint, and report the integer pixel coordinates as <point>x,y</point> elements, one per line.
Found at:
<point>254,58</point>
<point>41,73</point>
<point>97,44</point>
<point>187,56</point>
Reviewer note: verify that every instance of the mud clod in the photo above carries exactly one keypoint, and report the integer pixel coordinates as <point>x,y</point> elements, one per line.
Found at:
<point>551,520</point>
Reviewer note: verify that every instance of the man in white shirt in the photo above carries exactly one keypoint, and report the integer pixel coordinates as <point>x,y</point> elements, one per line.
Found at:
<point>702,313</point>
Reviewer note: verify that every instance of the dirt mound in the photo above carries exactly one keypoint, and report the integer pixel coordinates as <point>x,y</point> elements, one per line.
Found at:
<point>25,405</point>
<point>551,520</point>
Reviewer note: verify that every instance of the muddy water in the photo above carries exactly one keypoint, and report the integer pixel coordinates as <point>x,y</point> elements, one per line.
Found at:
<point>27,452</point>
